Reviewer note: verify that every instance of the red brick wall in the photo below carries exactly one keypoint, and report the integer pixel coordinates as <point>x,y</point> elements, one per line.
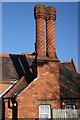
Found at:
<point>44,89</point>
<point>8,111</point>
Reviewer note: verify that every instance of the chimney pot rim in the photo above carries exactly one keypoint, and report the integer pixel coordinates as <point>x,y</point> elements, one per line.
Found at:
<point>51,8</point>
<point>39,6</point>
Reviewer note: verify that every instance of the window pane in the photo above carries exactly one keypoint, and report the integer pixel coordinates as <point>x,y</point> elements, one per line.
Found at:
<point>42,109</point>
<point>41,115</point>
<point>69,106</point>
<point>46,109</point>
<point>44,115</point>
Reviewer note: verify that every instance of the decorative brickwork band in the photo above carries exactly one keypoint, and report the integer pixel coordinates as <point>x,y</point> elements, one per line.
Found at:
<point>50,31</point>
<point>40,15</point>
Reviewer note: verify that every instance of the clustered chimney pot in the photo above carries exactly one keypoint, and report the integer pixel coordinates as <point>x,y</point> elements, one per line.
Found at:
<point>48,14</point>
<point>40,16</point>
<point>50,32</point>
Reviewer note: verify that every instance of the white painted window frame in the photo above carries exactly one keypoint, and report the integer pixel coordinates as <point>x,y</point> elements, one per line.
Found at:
<point>69,105</point>
<point>41,113</point>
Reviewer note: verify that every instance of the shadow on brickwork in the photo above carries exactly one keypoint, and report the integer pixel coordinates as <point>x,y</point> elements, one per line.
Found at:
<point>22,67</point>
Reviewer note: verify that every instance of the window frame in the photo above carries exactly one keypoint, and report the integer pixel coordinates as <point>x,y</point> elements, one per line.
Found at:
<point>41,113</point>
<point>68,105</point>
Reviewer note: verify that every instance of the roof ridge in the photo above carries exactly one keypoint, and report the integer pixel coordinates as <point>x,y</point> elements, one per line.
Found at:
<point>4,55</point>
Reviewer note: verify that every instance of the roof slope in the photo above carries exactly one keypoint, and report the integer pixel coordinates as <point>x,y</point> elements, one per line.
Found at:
<point>7,69</point>
<point>69,81</point>
<point>17,88</point>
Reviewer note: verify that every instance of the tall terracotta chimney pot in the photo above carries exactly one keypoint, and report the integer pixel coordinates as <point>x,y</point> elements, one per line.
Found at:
<point>40,16</point>
<point>50,32</point>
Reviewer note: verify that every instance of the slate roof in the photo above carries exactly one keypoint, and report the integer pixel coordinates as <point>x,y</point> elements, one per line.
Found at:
<point>69,81</point>
<point>7,69</point>
<point>16,66</point>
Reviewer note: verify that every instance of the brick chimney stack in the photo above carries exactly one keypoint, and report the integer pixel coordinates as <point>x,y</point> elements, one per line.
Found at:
<point>40,16</point>
<point>50,32</point>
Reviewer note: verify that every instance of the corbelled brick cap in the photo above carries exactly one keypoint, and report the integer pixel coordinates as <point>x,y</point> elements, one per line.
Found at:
<point>39,11</point>
<point>51,13</point>
<point>50,31</point>
<point>40,16</point>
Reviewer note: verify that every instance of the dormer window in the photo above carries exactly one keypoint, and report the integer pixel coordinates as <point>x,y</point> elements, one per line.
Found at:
<point>44,111</point>
<point>69,106</point>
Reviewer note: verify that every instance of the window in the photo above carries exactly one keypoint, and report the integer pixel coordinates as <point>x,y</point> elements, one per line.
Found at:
<point>44,111</point>
<point>69,106</point>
